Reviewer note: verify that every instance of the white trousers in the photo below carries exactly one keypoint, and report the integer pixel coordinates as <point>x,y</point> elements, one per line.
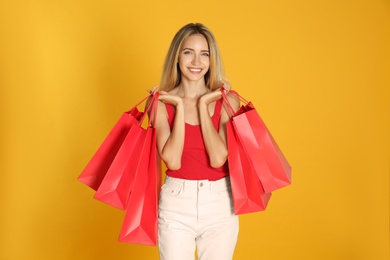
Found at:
<point>196,215</point>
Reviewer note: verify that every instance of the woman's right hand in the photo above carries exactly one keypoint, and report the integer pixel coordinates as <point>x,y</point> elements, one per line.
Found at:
<point>168,98</point>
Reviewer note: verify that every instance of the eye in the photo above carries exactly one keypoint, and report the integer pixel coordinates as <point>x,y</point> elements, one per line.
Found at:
<point>206,54</point>
<point>187,52</point>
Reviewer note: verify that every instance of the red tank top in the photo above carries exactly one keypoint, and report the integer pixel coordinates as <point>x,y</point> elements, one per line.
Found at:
<point>195,163</point>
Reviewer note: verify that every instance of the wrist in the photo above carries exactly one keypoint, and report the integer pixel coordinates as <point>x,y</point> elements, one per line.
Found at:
<point>179,102</point>
<point>202,105</point>
<point>179,106</point>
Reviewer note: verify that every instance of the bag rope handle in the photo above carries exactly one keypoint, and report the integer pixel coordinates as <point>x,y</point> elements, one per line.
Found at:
<point>152,106</point>
<point>234,94</point>
<point>226,103</point>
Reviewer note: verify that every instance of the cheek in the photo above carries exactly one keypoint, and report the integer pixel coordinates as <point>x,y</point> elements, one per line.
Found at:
<point>184,60</point>
<point>180,62</point>
<point>207,63</point>
<point>181,65</point>
<point>206,60</point>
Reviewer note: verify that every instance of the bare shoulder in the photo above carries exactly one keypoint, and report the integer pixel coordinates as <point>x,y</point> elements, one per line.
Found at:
<point>147,104</point>
<point>234,100</point>
<point>148,101</point>
<point>160,109</point>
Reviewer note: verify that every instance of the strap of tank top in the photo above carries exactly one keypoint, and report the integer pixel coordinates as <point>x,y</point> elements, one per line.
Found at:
<point>217,113</point>
<point>171,113</point>
<point>218,107</point>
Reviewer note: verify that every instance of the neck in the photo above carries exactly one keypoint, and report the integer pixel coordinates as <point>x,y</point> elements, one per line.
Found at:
<point>192,89</point>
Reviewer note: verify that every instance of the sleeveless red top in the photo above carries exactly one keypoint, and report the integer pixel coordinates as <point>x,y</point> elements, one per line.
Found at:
<point>195,163</point>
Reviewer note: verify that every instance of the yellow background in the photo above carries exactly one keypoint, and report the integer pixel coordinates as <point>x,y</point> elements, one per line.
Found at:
<point>318,72</point>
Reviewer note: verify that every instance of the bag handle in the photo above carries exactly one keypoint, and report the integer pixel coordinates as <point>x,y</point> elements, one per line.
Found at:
<point>226,101</point>
<point>152,106</point>
<point>143,100</point>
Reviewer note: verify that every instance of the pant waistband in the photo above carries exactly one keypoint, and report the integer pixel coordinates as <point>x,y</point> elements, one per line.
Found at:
<point>200,184</point>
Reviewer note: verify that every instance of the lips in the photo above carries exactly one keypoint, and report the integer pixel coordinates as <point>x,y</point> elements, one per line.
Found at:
<point>195,70</point>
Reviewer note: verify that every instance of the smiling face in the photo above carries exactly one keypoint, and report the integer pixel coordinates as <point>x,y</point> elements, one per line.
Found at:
<point>194,58</point>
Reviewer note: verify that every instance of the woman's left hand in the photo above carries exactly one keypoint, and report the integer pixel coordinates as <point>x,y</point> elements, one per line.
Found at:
<point>214,95</point>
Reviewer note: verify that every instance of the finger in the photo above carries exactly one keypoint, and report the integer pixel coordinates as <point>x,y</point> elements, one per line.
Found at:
<point>226,85</point>
<point>162,97</point>
<point>222,90</point>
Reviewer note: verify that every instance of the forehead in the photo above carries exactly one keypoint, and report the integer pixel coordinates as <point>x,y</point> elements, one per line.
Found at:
<point>196,41</point>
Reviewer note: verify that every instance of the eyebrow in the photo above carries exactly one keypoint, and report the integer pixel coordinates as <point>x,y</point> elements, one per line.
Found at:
<point>194,50</point>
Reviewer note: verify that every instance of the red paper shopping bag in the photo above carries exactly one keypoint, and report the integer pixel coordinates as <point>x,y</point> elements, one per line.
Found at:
<point>268,160</point>
<point>140,223</point>
<point>101,161</point>
<point>117,184</point>
<point>248,193</point>
<point>262,151</point>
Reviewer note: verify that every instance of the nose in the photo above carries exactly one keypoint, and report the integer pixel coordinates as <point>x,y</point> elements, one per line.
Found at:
<point>196,59</point>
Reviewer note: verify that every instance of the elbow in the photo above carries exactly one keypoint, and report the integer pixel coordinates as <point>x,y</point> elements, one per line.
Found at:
<point>218,161</point>
<point>218,164</point>
<point>172,164</point>
<point>171,160</point>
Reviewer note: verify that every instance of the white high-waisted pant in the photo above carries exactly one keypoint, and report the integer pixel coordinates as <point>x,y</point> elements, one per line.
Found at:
<point>196,215</point>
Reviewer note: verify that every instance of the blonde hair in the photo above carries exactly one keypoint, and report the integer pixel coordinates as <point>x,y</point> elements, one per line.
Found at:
<point>171,75</point>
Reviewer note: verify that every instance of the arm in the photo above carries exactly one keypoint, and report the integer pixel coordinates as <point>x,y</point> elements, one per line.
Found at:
<point>170,143</point>
<point>215,142</point>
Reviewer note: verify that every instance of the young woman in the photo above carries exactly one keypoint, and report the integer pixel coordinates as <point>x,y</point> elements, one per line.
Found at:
<point>196,211</point>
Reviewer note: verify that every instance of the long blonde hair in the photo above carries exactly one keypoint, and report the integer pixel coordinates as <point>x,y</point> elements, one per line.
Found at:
<point>171,75</point>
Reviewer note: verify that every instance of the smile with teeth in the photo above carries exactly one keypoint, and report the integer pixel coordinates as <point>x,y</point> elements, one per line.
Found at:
<point>195,70</point>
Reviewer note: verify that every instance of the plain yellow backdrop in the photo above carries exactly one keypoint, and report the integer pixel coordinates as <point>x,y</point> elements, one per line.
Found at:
<point>317,71</point>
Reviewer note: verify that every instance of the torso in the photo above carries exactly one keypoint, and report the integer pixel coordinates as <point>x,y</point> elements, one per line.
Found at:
<point>195,162</point>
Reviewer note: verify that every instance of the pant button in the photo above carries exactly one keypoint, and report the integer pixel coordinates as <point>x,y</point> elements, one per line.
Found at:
<point>201,184</point>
